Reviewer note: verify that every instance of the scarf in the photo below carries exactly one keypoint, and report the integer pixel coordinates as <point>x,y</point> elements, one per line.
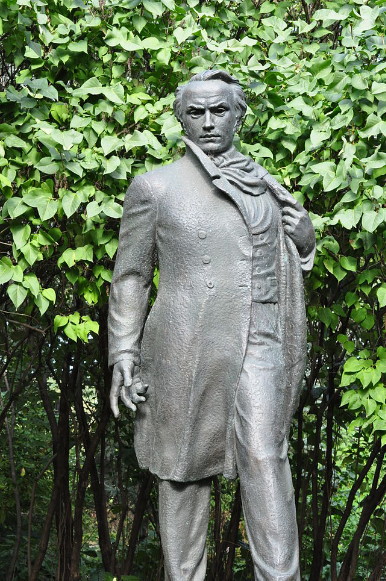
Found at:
<point>241,171</point>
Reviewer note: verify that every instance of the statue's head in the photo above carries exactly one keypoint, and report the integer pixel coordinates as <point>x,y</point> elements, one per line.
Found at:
<point>210,108</point>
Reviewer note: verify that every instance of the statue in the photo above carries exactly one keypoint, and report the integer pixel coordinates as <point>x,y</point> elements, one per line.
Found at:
<point>216,364</point>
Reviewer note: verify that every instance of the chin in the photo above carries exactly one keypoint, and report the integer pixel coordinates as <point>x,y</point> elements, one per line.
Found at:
<point>211,150</point>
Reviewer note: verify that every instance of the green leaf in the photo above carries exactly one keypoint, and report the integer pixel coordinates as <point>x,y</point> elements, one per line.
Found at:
<point>42,304</point>
<point>348,263</point>
<point>93,209</point>
<point>139,22</point>
<point>111,247</point>
<point>84,253</point>
<point>68,257</point>
<point>140,113</point>
<point>137,139</point>
<point>71,202</point>
<point>163,56</point>
<point>79,46</point>
<point>359,315</point>
<point>112,209</point>
<point>367,20</point>
<point>49,294</point>
<point>6,269</point>
<point>31,283</point>
<point>17,294</point>
<point>381,295</point>
<point>92,86</point>
<point>74,167</point>
<point>59,321</point>
<point>155,8</point>
<point>380,425</point>
<point>21,234</point>
<point>300,105</point>
<point>67,139</point>
<point>371,220</point>
<point>47,165</point>
<point>353,365</point>
<point>118,37</point>
<point>15,141</point>
<point>41,87</point>
<point>379,391</point>
<point>182,34</point>
<point>379,89</point>
<point>111,143</point>
<point>351,298</point>
<point>70,331</point>
<point>47,208</point>
<point>152,43</point>
<point>31,253</point>
<point>111,164</point>
<point>374,126</point>
<point>330,16</point>
<point>15,207</point>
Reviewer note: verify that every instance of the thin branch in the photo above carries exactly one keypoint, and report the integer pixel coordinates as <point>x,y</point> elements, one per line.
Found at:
<point>31,506</point>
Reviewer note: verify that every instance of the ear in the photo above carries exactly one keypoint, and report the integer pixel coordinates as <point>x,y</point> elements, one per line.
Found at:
<point>238,123</point>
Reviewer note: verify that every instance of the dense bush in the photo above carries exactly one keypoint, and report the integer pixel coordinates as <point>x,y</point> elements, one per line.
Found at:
<point>86,104</point>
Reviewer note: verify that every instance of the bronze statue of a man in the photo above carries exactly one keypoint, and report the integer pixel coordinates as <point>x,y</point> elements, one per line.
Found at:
<point>222,351</point>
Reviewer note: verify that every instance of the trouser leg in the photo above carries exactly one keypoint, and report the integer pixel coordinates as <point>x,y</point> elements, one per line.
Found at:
<point>261,455</point>
<point>183,517</point>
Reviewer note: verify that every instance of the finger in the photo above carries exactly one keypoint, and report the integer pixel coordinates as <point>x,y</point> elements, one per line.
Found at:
<point>137,398</point>
<point>114,403</point>
<point>289,229</point>
<point>141,388</point>
<point>290,219</point>
<point>291,212</point>
<point>116,380</point>
<point>127,401</point>
<point>137,392</point>
<point>128,374</point>
<point>290,223</point>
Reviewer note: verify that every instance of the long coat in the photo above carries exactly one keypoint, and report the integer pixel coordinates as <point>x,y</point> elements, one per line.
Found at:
<point>190,347</point>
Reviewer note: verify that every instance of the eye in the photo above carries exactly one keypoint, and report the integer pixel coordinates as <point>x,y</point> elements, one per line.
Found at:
<point>195,113</point>
<point>220,111</point>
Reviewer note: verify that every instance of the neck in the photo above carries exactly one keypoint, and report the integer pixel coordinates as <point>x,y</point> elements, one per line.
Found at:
<point>216,154</point>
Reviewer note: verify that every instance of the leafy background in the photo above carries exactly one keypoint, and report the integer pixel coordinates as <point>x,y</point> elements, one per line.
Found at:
<point>86,103</point>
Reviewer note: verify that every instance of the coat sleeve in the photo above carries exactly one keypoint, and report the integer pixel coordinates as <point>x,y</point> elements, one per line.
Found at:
<point>133,273</point>
<point>284,197</point>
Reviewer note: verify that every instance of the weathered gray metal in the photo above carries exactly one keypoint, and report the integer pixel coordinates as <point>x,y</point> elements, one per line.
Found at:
<point>222,351</point>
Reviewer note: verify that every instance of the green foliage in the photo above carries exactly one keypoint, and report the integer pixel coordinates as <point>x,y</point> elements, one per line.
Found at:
<point>86,104</point>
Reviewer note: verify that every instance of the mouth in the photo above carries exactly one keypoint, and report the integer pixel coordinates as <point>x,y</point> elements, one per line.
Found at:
<point>210,136</point>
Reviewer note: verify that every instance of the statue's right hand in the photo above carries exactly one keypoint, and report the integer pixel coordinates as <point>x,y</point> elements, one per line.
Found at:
<point>126,385</point>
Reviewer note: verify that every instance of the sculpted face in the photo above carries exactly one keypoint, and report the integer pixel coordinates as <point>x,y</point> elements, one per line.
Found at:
<point>209,115</point>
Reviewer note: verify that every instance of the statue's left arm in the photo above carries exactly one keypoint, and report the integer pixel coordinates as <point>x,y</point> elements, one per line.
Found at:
<point>296,223</point>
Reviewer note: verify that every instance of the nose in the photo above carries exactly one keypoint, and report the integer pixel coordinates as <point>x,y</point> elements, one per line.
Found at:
<point>208,121</point>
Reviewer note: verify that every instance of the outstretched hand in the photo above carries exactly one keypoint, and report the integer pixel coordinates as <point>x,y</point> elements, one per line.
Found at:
<point>298,226</point>
<point>127,385</point>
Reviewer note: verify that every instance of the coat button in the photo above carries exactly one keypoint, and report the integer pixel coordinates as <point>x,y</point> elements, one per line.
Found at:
<point>202,234</point>
<point>206,259</point>
<point>209,284</point>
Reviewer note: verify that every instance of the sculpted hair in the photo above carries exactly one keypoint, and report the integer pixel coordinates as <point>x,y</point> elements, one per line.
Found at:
<point>213,75</point>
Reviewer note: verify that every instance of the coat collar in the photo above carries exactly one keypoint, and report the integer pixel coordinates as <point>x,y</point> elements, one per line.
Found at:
<point>235,171</point>
<point>217,177</point>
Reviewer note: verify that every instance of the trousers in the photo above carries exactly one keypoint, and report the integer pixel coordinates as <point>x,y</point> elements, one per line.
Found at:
<point>263,468</point>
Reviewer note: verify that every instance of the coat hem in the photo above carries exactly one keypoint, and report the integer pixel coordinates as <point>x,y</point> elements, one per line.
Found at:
<point>173,477</point>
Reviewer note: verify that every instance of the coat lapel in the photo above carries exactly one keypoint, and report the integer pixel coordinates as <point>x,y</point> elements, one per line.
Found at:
<point>216,176</point>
